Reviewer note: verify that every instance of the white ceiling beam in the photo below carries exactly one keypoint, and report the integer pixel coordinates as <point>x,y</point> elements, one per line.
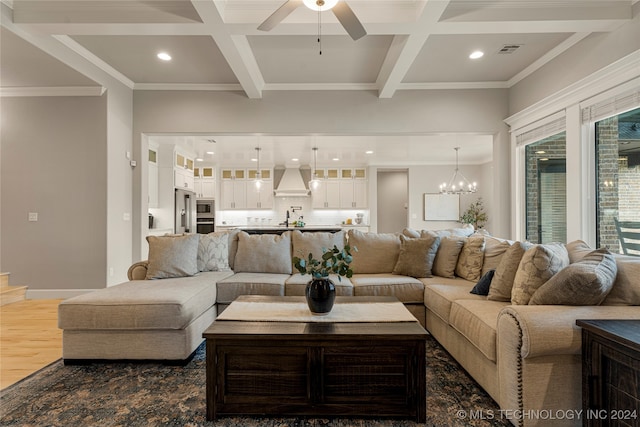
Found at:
<point>404,49</point>
<point>235,49</point>
<point>529,27</point>
<point>119,29</point>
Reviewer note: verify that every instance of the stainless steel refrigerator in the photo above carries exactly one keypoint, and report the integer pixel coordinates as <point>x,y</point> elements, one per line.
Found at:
<point>185,211</point>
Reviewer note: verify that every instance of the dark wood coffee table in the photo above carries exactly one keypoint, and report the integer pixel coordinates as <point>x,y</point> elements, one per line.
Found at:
<point>316,369</point>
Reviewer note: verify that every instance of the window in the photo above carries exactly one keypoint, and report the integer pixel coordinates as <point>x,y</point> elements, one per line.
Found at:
<point>617,175</point>
<point>546,190</point>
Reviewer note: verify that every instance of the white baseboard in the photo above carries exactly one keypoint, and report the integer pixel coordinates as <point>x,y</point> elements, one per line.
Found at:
<point>55,293</point>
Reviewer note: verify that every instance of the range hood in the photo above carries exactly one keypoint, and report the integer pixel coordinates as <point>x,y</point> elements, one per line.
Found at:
<point>292,184</point>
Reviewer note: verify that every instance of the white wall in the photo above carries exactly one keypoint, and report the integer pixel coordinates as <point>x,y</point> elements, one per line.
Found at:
<point>354,112</point>
<point>53,163</point>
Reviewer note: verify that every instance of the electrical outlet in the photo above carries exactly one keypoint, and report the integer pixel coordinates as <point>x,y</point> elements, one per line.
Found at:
<point>414,216</point>
<point>33,216</point>
<point>111,272</point>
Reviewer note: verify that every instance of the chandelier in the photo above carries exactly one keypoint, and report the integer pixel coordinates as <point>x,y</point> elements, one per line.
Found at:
<point>458,184</point>
<point>258,180</point>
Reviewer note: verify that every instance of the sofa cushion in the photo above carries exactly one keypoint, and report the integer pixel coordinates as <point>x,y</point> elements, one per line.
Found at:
<point>477,321</point>
<point>304,244</point>
<point>502,282</point>
<point>142,304</point>
<point>538,265</point>
<point>213,252</point>
<point>406,289</point>
<point>376,252</point>
<point>446,259</point>
<point>233,245</point>
<point>482,287</point>
<point>440,292</point>
<point>296,284</point>
<point>469,265</point>
<point>494,250</point>
<point>264,253</point>
<point>250,284</point>
<point>172,256</point>
<point>585,282</point>
<point>626,288</point>
<point>416,256</point>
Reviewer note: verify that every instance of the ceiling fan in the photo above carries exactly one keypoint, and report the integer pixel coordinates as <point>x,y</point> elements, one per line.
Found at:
<point>340,9</point>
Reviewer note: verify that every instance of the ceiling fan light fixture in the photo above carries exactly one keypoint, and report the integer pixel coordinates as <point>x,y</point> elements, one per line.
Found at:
<point>320,5</point>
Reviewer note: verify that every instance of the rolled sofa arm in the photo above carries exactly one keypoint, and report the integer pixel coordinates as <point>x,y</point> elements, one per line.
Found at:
<point>551,329</point>
<point>138,271</point>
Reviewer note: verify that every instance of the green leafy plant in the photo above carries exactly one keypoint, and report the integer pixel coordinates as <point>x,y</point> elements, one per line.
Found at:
<point>333,261</point>
<point>475,215</point>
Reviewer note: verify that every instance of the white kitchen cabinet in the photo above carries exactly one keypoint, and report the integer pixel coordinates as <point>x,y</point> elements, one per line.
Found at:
<point>234,194</point>
<point>355,173</point>
<point>183,171</point>
<point>259,198</point>
<point>353,193</point>
<point>204,182</point>
<point>153,178</point>
<point>231,174</point>
<point>327,195</point>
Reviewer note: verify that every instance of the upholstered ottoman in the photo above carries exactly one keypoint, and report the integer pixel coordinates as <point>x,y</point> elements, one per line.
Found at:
<point>141,319</point>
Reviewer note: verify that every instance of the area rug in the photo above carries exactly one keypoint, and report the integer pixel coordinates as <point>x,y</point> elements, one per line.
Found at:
<point>151,394</point>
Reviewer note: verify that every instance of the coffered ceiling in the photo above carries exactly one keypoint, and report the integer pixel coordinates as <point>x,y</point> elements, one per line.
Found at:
<point>215,44</point>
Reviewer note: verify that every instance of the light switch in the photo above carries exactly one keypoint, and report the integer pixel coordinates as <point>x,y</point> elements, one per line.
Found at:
<point>33,216</point>
<point>126,216</point>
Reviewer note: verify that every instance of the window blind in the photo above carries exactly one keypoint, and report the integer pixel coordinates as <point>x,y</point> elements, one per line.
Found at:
<point>612,106</point>
<point>541,132</point>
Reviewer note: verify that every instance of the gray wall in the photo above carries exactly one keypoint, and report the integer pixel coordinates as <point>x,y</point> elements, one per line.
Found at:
<point>586,57</point>
<point>356,112</point>
<point>54,163</point>
<point>393,200</point>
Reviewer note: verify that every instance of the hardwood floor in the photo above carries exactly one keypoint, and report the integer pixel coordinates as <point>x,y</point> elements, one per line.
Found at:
<point>29,340</point>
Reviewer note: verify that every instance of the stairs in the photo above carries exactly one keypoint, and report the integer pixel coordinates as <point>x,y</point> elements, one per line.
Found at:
<point>10,294</point>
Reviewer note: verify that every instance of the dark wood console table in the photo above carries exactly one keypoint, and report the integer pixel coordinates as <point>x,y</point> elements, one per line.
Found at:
<point>610,372</point>
<point>316,369</point>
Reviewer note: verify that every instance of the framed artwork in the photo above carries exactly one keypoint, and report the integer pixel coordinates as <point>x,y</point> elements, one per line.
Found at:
<point>441,207</point>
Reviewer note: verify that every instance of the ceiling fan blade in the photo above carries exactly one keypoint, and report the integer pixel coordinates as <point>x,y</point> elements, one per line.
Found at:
<point>281,13</point>
<point>349,20</point>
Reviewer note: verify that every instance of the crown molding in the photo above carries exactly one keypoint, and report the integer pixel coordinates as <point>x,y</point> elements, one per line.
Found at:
<point>52,91</point>
<point>233,87</point>
<point>453,85</point>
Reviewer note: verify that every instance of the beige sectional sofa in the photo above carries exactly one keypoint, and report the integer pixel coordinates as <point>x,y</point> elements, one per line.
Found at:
<point>527,357</point>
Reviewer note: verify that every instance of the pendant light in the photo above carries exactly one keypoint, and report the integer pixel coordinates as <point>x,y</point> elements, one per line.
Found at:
<point>458,184</point>
<point>315,182</point>
<point>258,180</point>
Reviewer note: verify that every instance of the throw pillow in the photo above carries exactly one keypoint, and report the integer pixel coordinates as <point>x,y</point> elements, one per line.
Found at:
<point>538,264</point>
<point>585,282</point>
<point>213,252</point>
<point>172,256</point>
<point>376,252</point>
<point>577,250</point>
<point>315,243</point>
<point>626,288</point>
<point>263,253</point>
<point>416,256</point>
<point>447,256</point>
<point>469,264</point>
<point>482,287</point>
<point>494,250</point>
<point>410,232</point>
<point>502,282</point>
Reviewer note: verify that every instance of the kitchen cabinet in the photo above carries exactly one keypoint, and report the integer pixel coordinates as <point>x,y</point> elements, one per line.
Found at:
<point>153,177</point>
<point>234,194</point>
<point>230,174</point>
<point>204,182</point>
<point>259,198</point>
<point>353,193</point>
<point>327,195</point>
<point>355,173</point>
<point>183,171</point>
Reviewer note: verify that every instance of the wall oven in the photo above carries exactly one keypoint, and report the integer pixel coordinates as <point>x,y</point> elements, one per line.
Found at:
<point>205,208</point>
<point>205,226</point>
<point>205,216</point>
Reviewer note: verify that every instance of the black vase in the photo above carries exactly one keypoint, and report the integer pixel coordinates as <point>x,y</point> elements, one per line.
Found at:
<point>321,294</point>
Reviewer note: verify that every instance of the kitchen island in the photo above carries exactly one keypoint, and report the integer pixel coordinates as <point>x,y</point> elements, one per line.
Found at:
<point>282,229</point>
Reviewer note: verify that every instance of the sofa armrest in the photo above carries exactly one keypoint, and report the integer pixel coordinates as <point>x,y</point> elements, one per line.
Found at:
<point>138,271</point>
<point>551,329</point>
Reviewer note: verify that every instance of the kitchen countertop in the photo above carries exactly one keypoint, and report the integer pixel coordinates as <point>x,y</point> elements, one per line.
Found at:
<point>281,229</point>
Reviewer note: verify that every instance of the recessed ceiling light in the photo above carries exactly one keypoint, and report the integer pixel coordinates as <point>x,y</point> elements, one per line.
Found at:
<point>368,152</point>
<point>164,56</point>
<point>211,153</point>
<point>476,54</point>
<point>254,160</point>
<point>295,159</point>
<point>199,160</point>
<point>335,159</point>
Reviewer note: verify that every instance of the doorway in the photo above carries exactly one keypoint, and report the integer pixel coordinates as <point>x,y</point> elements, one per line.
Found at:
<point>393,199</point>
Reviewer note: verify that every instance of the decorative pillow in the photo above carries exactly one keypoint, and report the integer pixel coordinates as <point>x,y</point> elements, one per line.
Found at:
<point>172,256</point>
<point>585,282</point>
<point>577,250</point>
<point>315,243</point>
<point>502,282</point>
<point>233,246</point>
<point>447,256</point>
<point>538,264</point>
<point>263,253</point>
<point>377,252</point>
<point>469,264</point>
<point>494,250</point>
<point>416,256</point>
<point>410,232</point>
<point>213,252</point>
<point>482,287</point>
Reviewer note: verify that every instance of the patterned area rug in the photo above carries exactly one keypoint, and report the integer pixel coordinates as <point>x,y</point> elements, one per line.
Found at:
<point>150,394</point>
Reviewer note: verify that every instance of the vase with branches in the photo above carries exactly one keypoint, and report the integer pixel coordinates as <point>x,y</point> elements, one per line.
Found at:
<point>475,215</point>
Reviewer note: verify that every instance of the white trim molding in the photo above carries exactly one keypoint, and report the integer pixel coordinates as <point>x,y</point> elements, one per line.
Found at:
<point>52,91</point>
<point>56,293</point>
